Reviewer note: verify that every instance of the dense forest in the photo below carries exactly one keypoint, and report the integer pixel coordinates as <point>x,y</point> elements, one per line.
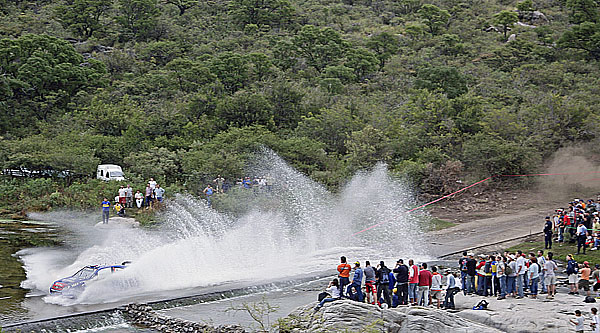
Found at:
<point>183,90</point>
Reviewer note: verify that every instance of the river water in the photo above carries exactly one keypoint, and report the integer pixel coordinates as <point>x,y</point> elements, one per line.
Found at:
<point>280,238</point>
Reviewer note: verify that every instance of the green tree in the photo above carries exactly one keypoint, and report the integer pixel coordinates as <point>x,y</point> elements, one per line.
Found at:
<point>138,17</point>
<point>585,37</point>
<point>261,12</point>
<point>245,109</point>
<point>434,17</point>
<point>385,45</point>
<point>507,20</point>
<point>42,75</point>
<point>189,75</point>
<point>583,11</point>
<point>231,69</point>
<point>362,61</point>
<point>182,5</point>
<point>447,79</point>
<point>321,47</point>
<point>83,16</point>
<point>159,163</point>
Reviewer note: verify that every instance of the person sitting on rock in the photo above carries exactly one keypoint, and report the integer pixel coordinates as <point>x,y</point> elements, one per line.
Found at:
<point>333,289</point>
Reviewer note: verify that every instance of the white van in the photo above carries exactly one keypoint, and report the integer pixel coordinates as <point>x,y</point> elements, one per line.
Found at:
<point>109,172</point>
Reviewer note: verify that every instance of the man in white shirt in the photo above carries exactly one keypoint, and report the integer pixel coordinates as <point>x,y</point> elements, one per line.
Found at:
<point>581,236</point>
<point>542,261</point>
<point>595,321</point>
<point>521,270</point>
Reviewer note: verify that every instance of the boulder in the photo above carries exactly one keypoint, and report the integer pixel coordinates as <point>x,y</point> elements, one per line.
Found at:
<point>512,38</point>
<point>349,316</point>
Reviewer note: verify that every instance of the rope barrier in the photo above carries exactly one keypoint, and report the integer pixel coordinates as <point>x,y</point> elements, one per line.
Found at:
<point>472,185</point>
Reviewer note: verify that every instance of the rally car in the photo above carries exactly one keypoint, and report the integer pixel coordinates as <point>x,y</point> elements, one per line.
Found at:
<point>75,284</point>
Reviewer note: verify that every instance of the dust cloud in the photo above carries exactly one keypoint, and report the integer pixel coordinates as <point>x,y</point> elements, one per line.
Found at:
<point>583,181</point>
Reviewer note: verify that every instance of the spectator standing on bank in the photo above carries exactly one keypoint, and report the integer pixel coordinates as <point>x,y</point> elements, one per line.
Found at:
<point>129,198</point>
<point>152,183</point>
<point>105,211</point>
<point>123,195</point>
<point>148,195</point>
<point>547,233</point>
<point>471,272</point>
<point>572,271</point>
<point>159,192</point>
<point>208,191</point>
<point>219,183</point>
<point>413,281</point>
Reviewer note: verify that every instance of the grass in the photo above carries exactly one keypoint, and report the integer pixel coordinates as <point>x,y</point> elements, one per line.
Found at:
<point>560,252</point>
<point>433,224</point>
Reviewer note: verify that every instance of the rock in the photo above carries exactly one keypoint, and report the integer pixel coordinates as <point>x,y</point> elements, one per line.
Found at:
<point>345,315</point>
<point>491,28</point>
<point>512,38</point>
<point>526,25</point>
<point>538,16</point>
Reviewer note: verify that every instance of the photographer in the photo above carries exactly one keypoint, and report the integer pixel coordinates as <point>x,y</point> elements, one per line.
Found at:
<point>333,289</point>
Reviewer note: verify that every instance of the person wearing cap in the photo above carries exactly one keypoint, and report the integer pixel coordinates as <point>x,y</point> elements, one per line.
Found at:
<point>462,265</point>
<point>547,233</point>
<point>581,237</point>
<point>343,274</point>
<point>584,278</point>
<point>356,284</point>
<point>401,271</point>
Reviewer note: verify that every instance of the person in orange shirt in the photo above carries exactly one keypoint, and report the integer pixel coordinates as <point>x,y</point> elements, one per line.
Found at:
<point>344,274</point>
<point>584,280</point>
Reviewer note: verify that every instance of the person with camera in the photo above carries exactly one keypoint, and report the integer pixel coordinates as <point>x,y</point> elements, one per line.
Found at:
<point>333,291</point>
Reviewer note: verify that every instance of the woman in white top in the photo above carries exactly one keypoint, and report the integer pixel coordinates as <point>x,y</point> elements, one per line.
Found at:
<point>333,289</point>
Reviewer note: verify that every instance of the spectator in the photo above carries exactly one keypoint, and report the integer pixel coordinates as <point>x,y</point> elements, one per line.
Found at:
<point>119,209</point>
<point>534,275</point>
<point>542,262</point>
<point>584,279</point>
<point>105,211</point>
<point>481,275</point>
<point>581,237</point>
<point>343,274</point>
<point>148,195</point>
<point>550,269</point>
<point>572,274</point>
<point>219,183</point>
<point>451,289</point>
<point>511,277</point>
<point>521,270</point>
<point>139,199</point>
<point>548,233</point>
<point>123,195</point>
<point>208,191</point>
<point>501,276</point>
<point>370,282</point>
<point>425,277</point>
<point>355,288</point>
<point>383,280</point>
<point>402,275</point>
<point>595,321</point>
<point>436,286</point>
<point>129,198</point>
<point>578,322</point>
<point>152,183</point>
<point>333,289</point>
<point>159,193</point>
<point>413,281</point>
<point>595,279</point>
<point>462,265</point>
<point>471,272</point>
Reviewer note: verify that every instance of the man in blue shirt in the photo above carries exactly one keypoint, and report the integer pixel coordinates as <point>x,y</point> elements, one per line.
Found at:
<point>105,210</point>
<point>356,284</point>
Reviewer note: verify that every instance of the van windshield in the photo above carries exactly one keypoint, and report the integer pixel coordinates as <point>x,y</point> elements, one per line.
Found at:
<point>116,174</point>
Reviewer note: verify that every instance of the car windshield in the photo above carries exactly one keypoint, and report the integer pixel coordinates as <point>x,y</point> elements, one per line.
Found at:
<point>116,174</point>
<point>85,273</point>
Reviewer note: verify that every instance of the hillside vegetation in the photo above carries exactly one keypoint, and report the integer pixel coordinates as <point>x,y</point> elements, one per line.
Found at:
<point>183,90</point>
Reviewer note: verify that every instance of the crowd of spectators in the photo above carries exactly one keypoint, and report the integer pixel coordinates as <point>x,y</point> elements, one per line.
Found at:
<point>147,198</point>
<point>221,185</point>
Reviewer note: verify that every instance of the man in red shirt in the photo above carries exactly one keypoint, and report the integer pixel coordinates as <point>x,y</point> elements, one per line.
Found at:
<point>425,277</point>
<point>344,274</point>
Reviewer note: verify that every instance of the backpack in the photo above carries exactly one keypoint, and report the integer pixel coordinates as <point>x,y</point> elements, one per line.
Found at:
<point>488,267</point>
<point>482,305</point>
<point>385,275</point>
<point>589,299</point>
<point>508,270</point>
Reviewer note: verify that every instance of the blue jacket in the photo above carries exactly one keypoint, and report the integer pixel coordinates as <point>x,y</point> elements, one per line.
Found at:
<point>572,267</point>
<point>358,276</point>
